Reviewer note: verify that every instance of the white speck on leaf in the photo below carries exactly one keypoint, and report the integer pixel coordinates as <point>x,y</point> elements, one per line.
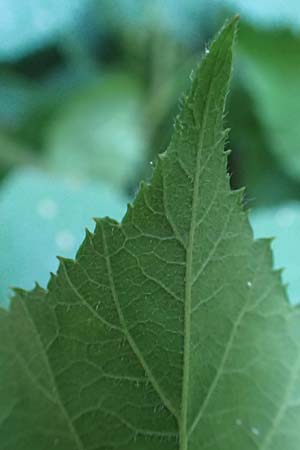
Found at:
<point>249,284</point>
<point>192,75</point>
<point>255,431</point>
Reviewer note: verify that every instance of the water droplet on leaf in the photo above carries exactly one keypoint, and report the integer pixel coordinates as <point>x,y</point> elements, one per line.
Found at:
<point>255,431</point>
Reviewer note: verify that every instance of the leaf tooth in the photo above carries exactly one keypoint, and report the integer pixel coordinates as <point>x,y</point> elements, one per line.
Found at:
<point>239,196</point>
<point>19,291</point>
<point>89,234</point>
<point>37,290</point>
<point>65,264</point>
<point>264,246</point>
<point>129,213</point>
<point>64,260</point>
<point>101,220</point>
<point>52,280</point>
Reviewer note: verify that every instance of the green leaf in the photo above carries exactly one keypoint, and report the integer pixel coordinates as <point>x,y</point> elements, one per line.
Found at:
<point>169,330</point>
<point>271,75</point>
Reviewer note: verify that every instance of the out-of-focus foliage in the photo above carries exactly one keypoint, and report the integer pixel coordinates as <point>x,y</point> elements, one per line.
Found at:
<point>27,24</point>
<point>271,69</point>
<point>88,89</point>
<point>99,133</point>
<point>181,19</point>
<point>42,217</point>
<point>268,12</point>
<point>12,154</point>
<point>17,99</point>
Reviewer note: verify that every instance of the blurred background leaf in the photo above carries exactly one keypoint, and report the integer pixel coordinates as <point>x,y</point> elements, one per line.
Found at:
<point>27,25</point>
<point>181,19</point>
<point>271,67</point>
<point>97,127</point>
<point>268,13</point>
<point>89,90</point>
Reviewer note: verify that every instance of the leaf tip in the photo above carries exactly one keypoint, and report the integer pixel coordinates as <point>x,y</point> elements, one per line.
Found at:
<point>229,28</point>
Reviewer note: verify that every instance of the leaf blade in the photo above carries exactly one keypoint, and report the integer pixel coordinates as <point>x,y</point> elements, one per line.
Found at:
<point>161,332</point>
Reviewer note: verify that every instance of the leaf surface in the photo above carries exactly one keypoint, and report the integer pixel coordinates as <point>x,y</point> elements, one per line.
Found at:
<point>169,330</point>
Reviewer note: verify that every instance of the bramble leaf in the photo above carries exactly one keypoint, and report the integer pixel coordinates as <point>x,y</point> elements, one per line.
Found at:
<point>169,330</point>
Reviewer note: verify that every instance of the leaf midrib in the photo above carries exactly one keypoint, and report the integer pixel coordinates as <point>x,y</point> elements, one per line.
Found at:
<point>184,433</point>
